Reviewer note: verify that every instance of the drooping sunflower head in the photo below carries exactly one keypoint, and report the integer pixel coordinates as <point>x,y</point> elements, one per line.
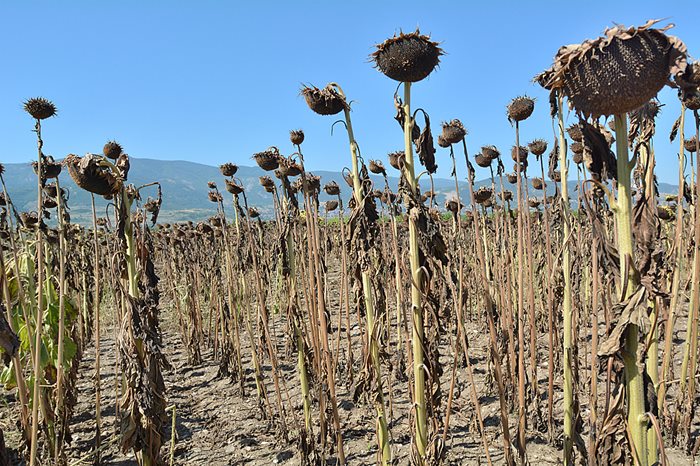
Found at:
<point>618,72</point>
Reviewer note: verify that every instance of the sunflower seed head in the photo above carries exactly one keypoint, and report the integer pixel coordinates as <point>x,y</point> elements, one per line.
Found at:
<point>40,108</point>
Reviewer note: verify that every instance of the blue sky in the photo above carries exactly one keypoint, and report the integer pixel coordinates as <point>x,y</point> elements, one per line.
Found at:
<point>215,81</point>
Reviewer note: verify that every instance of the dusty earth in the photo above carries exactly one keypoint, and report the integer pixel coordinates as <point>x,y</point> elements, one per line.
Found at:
<point>216,426</point>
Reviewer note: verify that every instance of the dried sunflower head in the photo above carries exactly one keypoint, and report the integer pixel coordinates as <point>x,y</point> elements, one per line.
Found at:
<point>520,108</point>
<point>331,188</point>
<point>396,159</point>
<point>112,150</point>
<point>228,169</point>
<point>289,167</point>
<point>377,167</point>
<point>215,196</point>
<point>618,72</point>
<point>407,57</point>
<point>691,145</point>
<point>269,159</point>
<point>453,206</point>
<point>331,205</point>
<point>40,108</point>
<point>538,147</point>
<point>519,154</point>
<point>575,132</point>
<point>689,86</point>
<point>326,101</point>
<point>453,132</point>
<point>490,152</point>
<point>482,194</point>
<point>482,161</point>
<point>233,188</point>
<point>267,183</point>
<point>296,136</point>
<point>93,174</point>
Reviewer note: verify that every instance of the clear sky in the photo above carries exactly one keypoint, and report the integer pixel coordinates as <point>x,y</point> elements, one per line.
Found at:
<point>215,81</point>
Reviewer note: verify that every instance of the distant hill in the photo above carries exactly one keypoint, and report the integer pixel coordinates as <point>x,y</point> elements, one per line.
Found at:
<point>185,188</point>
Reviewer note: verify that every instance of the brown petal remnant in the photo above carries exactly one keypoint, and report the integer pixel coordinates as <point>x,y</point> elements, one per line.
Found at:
<point>520,108</point>
<point>228,169</point>
<point>538,147</point>
<point>233,188</point>
<point>396,159</point>
<point>211,185</point>
<point>331,188</point>
<point>453,132</point>
<point>112,150</point>
<point>326,101</point>
<point>40,108</point>
<point>93,174</point>
<point>407,57</point>
<point>296,136</point>
<point>616,73</point>
<point>269,159</point>
<point>519,154</point>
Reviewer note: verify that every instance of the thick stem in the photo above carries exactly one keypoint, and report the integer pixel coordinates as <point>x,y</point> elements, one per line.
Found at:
<point>421,428</point>
<point>636,418</point>
<point>566,310</point>
<point>382,426</point>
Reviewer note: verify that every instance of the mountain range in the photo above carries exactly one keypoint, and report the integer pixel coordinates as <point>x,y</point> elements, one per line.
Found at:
<point>184,186</point>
